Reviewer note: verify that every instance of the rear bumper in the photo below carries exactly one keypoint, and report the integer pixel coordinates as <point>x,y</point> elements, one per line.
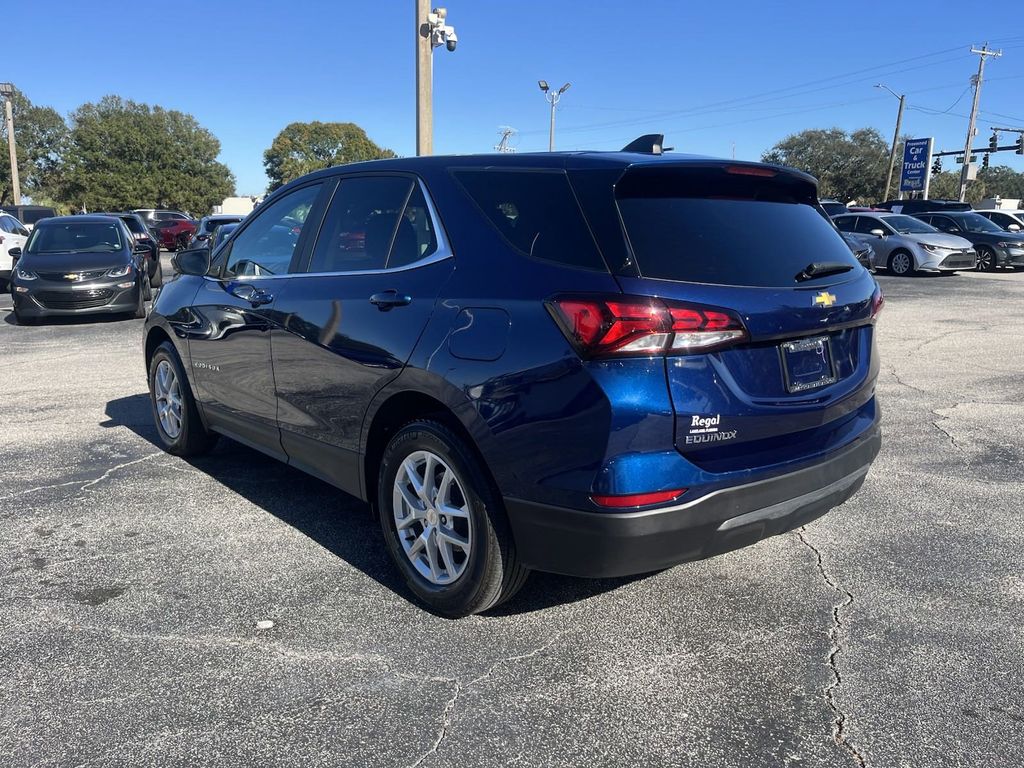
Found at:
<point>602,544</point>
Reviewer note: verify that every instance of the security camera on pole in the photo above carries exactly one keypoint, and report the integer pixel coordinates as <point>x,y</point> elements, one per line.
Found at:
<point>552,96</point>
<point>431,32</point>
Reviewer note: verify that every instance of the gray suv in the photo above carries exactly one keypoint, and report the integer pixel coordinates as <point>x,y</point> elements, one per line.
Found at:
<point>905,245</point>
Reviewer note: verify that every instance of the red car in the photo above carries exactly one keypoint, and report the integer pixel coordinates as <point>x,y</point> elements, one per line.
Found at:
<point>175,233</point>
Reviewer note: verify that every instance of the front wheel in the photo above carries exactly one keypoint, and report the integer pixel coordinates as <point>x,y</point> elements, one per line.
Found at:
<point>445,528</point>
<point>178,424</point>
<point>901,263</point>
<point>987,261</point>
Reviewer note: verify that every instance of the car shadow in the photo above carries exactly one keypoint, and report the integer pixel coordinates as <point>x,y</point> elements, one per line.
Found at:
<point>58,320</point>
<point>338,522</point>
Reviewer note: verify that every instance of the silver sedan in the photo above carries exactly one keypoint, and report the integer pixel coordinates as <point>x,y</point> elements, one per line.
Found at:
<point>905,245</point>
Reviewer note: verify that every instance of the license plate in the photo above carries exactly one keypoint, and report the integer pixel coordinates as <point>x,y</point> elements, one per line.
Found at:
<point>807,364</point>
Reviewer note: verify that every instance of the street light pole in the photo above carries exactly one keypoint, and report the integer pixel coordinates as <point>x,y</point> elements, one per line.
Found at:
<point>552,97</point>
<point>7,91</point>
<point>895,140</point>
<point>431,31</point>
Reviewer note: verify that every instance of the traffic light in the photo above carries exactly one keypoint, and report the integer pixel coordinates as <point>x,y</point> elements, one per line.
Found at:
<point>993,142</point>
<point>937,165</point>
<point>984,160</point>
<point>1020,144</point>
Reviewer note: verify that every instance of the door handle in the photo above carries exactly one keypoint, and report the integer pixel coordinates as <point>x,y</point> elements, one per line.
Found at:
<point>388,299</point>
<point>257,297</point>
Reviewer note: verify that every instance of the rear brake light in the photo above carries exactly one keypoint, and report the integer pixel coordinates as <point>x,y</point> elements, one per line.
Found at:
<point>877,302</point>
<point>638,499</point>
<point>632,325</point>
<point>751,170</point>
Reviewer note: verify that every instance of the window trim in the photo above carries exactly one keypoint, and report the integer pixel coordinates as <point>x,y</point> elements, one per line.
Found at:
<point>442,252</point>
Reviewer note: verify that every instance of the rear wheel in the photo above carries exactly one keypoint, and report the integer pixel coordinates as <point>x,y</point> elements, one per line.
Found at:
<point>901,263</point>
<point>987,261</point>
<point>157,278</point>
<point>444,526</point>
<point>175,413</point>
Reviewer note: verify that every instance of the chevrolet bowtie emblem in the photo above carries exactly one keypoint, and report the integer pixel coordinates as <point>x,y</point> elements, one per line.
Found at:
<point>825,299</point>
<point>73,276</point>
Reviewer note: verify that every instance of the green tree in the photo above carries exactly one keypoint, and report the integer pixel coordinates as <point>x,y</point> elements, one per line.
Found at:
<point>302,148</point>
<point>848,166</point>
<point>41,136</point>
<point>124,154</point>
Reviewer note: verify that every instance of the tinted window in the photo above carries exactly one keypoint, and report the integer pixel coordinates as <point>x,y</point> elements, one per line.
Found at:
<point>361,223</point>
<point>865,224</point>
<point>536,212</point>
<point>723,229</point>
<point>7,224</point>
<point>834,209</point>
<point>415,238</point>
<point>267,244</point>
<point>846,223</point>
<point>972,222</point>
<point>77,237</point>
<point>33,215</point>
<point>134,225</point>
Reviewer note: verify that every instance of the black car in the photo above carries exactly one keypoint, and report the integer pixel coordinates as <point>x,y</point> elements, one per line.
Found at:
<point>568,362</point>
<point>142,234</point>
<point>912,207</point>
<point>74,265</point>
<point>219,234</point>
<point>862,249</point>
<point>204,230</point>
<point>995,247</point>
<point>29,215</point>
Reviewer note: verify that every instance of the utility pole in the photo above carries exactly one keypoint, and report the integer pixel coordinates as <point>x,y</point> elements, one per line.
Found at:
<point>7,91</point>
<point>552,96</point>
<point>503,146</point>
<point>983,53</point>
<point>895,139</point>
<point>431,31</point>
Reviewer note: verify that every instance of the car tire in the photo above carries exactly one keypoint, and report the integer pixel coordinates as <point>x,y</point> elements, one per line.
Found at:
<point>22,320</point>
<point>157,278</point>
<point>901,263</point>
<point>441,573</point>
<point>180,429</point>
<point>987,261</point>
<point>145,292</point>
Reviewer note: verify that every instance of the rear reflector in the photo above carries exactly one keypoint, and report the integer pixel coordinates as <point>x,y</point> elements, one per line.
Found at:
<point>877,302</point>
<point>639,325</point>
<point>638,499</point>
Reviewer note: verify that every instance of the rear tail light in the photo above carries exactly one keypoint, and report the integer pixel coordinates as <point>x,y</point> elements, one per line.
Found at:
<point>877,302</point>
<point>600,326</point>
<point>751,170</point>
<point>638,499</point>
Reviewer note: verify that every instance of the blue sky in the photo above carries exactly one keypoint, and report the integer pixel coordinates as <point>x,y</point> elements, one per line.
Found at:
<point>711,76</point>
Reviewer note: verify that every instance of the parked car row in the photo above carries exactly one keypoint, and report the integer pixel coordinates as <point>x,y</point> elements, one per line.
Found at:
<point>909,236</point>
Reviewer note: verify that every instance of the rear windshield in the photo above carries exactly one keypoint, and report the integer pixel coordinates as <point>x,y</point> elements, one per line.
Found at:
<point>212,224</point>
<point>85,237</point>
<point>134,225</point>
<point>33,215</point>
<point>706,226</point>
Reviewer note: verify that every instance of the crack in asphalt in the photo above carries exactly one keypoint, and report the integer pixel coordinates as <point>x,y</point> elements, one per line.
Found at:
<point>839,727</point>
<point>446,715</point>
<point>84,484</point>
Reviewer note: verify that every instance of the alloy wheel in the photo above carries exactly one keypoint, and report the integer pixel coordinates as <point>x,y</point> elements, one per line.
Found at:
<point>432,517</point>
<point>168,399</point>
<point>900,263</point>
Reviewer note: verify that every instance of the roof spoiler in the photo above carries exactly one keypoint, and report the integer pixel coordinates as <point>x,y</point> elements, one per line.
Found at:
<point>648,144</point>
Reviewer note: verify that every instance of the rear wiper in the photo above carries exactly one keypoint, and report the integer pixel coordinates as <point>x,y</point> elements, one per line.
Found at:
<point>821,269</point>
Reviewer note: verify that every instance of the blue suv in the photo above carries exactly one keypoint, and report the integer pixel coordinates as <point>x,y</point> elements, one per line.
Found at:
<point>594,364</point>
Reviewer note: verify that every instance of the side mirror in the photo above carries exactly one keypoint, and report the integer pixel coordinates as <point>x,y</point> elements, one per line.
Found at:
<point>14,253</point>
<point>953,230</point>
<point>140,248</point>
<point>195,261</point>
<point>1013,227</point>
<point>878,232</point>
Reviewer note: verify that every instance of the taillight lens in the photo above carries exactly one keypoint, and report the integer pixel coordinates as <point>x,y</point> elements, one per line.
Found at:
<point>877,302</point>
<point>638,499</point>
<point>601,326</point>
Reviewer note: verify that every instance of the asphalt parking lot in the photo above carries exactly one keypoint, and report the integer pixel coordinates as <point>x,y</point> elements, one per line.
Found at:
<point>888,633</point>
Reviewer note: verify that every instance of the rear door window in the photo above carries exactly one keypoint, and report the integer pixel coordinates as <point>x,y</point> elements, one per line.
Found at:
<point>536,212</point>
<point>362,222</point>
<point>709,226</point>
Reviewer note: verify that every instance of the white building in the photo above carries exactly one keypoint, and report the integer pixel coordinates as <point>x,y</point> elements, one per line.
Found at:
<point>241,206</point>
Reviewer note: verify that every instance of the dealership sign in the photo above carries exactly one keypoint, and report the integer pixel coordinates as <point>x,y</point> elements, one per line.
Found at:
<point>917,167</point>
